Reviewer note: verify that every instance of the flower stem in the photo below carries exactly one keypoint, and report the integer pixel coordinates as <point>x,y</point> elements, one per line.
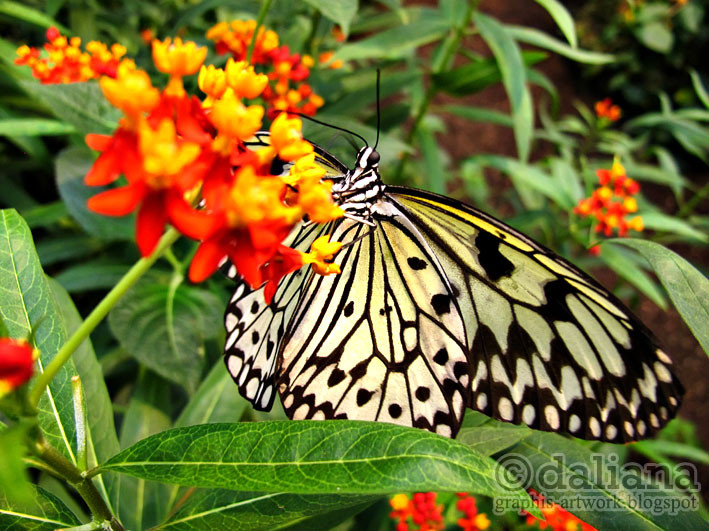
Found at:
<point>83,485</point>
<point>97,315</point>
<point>265,5</point>
<point>442,62</point>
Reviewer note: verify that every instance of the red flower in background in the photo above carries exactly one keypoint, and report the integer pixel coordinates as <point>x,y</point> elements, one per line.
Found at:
<point>606,110</point>
<point>16,363</point>
<point>556,518</point>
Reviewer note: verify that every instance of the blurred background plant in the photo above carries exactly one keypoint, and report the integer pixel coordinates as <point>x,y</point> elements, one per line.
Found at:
<point>601,134</point>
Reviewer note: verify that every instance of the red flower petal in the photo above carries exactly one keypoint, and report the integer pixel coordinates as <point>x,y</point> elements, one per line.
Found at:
<point>197,224</point>
<point>118,201</point>
<point>151,221</point>
<point>16,362</point>
<point>206,260</point>
<point>105,170</point>
<point>98,142</point>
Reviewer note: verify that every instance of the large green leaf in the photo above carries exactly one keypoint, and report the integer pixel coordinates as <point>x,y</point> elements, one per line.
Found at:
<point>489,440</point>
<point>227,509</point>
<point>594,486</point>
<point>311,457</point>
<point>509,59</point>
<point>102,440</point>
<point>142,504</point>
<point>71,167</point>
<point>81,105</point>
<point>28,304</point>
<point>45,512</point>
<point>687,287</point>
<point>164,325</point>
<point>339,11</point>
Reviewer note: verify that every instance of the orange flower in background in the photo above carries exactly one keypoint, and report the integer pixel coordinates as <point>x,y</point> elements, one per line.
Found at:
<point>472,520</point>
<point>556,518</point>
<point>235,38</point>
<point>16,363</point>
<point>612,201</point>
<point>63,61</point>
<point>606,110</point>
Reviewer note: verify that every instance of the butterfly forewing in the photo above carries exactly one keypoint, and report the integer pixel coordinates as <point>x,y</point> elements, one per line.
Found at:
<point>255,329</point>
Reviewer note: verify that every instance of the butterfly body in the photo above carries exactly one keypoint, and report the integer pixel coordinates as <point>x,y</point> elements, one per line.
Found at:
<point>440,307</point>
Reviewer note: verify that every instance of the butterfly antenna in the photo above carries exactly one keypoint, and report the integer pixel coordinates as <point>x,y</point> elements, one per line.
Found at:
<point>379,114</point>
<point>329,125</point>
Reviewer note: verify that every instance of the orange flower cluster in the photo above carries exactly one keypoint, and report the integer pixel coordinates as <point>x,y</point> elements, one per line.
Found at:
<point>606,110</point>
<point>177,152</point>
<point>556,518</point>
<point>420,509</point>
<point>612,201</point>
<point>472,519</point>
<point>286,89</point>
<point>65,62</point>
<point>16,363</point>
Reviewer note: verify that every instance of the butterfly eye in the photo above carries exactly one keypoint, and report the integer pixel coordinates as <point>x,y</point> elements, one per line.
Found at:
<point>373,158</point>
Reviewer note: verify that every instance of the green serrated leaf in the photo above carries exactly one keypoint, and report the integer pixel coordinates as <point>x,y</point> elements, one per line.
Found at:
<point>71,166</point>
<point>509,59</point>
<point>81,105</point>
<point>339,11</point>
<point>164,326</point>
<point>247,511</point>
<point>687,287</point>
<point>312,457</point>
<point>44,512</point>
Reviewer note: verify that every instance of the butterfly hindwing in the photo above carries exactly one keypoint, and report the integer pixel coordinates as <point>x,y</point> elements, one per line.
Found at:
<point>547,345</point>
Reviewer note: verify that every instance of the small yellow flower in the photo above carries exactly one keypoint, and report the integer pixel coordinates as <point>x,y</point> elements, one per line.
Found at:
<point>164,156</point>
<point>320,256</point>
<point>177,58</point>
<point>636,224</point>
<point>131,90</point>
<point>256,198</point>
<point>287,138</point>
<point>399,502</point>
<point>482,522</point>
<point>211,81</point>
<point>246,83</point>
<point>233,119</point>
<point>630,204</point>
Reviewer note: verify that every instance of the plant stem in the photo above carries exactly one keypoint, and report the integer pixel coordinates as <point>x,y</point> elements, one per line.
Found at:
<point>97,315</point>
<point>441,63</point>
<point>83,485</point>
<point>259,22</point>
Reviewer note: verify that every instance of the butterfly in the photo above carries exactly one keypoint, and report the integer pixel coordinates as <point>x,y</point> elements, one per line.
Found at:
<point>440,307</point>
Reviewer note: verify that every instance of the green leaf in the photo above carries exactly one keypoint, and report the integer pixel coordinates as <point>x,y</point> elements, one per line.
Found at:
<point>434,168</point>
<point>699,88</point>
<point>509,59</point>
<point>29,15</point>
<point>395,42</point>
<point>480,114</point>
<point>164,326</point>
<point>595,488</point>
<point>311,457</point>
<point>542,40</point>
<point>623,263</point>
<point>563,19</point>
<point>34,127</point>
<point>656,36</point>
<point>15,487</point>
<point>227,509</point>
<point>687,287</point>
<point>102,440</point>
<point>216,400</point>
<point>673,449</point>
<point>142,504</point>
<point>81,105</point>
<point>339,11</point>
<point>45,512</point>
<point>527,175</point>
<point>71,166</point>
<point>91,275</point>
<point>477,75</point>
<point>60,248</point>
<point>489,440</point>
<point>658,221</point>
<point>28,304</point>
<point>45,215</point>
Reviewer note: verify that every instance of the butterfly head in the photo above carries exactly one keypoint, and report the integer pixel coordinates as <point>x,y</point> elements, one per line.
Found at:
<point>367,159</point>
